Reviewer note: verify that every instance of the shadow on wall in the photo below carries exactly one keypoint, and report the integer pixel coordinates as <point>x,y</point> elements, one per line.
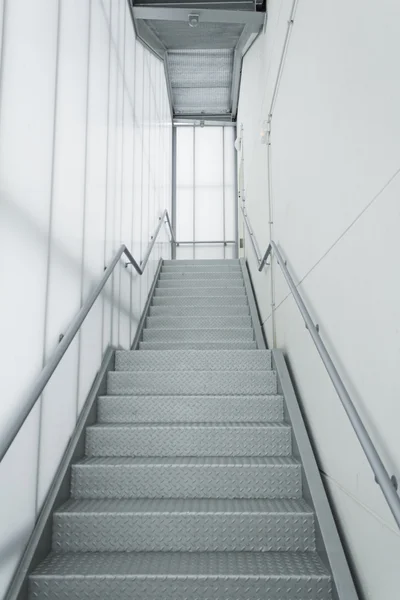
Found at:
<point>33,229</point>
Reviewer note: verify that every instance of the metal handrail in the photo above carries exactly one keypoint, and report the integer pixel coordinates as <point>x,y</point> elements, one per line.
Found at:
<point>387,484</point>
<point>48,370</point>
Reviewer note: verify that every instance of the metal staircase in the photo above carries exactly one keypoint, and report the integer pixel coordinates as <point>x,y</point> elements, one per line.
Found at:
<point>191,488</point>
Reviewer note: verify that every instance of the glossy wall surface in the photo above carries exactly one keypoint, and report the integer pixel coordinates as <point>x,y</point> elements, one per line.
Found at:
<point>335,182</point>
<point>85,165</point>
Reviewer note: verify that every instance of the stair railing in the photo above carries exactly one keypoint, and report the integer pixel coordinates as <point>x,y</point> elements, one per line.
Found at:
<point>387,484</point>
<point>48,370</point>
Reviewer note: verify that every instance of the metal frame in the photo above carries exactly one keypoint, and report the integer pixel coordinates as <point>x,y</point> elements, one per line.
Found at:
<point>206,15</point>
<point>254,313</point>
<point>252,20</point>
<point>387,484</point>
<point>139,331</point>
<point>50,367</point>
<point>328,542</point>
<point>39,544</point>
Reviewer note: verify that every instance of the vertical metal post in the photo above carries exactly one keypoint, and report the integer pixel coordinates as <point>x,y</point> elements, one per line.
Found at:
<point>223,189</point>
<point>236,201</point>
<point>194,190</point>
<point>173,201</point>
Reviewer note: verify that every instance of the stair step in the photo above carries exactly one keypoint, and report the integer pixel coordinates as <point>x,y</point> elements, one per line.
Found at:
<point>189,291</point>
<point>233,299</point>
<point>229,262</point>
<point>186,282</point>
<point>201,268</point>
<point>193,345</point>
<point>197,322</point>
<point>199,311</point>
<point>193,360</point>
<point>189,439</point>
<point>191,409</point>
<point>182,576</point>
<point>201,275</point>
<point>187,477</point>
<point>212,334</point>
<point>187,383</point>
<point>184,525</point>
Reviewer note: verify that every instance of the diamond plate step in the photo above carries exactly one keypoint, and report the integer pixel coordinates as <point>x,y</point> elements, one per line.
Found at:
<point>201,275</point>
<point>189,291</point>
<point>187,477</point>
<point>193,360</point>
<point>201,268</point>
<point>199,311</point>
<point>214,334</point>
<point>182,576</point>
<point>184,525</point>
<point>191,409</point>
<point>176,383</point>
<point>197,322</point>
<point>229,262</point>
<point>233,299</point>
<point>189,439</point>
<point>185,283</point>
<point>193,345</point>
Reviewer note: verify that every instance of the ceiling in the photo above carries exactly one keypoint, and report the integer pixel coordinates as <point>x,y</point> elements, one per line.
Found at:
<point>202,45</point>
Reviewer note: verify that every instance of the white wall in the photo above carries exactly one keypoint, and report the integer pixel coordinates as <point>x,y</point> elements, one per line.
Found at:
<point>205,191</point>
<point>335,162</point>
<point>85,165</point>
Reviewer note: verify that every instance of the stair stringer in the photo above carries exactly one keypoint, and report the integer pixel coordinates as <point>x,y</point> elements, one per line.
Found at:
<point>329,545</point>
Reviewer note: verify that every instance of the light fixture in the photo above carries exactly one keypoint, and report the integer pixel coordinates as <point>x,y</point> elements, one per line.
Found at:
<point>193,19</point>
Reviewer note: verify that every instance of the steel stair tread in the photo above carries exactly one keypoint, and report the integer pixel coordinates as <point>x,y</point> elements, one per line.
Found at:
<point>171,565</point>
<point>133,408</point>
<point>198,322</point>
<point>195,345</point>
<point>240,506</point>
<point>198,425</point>
<point>185,461</point>
<point>188,360</point>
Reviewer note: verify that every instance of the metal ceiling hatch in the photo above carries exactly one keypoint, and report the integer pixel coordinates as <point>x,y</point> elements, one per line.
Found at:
<point>202,45</point>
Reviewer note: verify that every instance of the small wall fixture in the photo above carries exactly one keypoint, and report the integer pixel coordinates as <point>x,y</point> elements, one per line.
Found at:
<point>193,20</point>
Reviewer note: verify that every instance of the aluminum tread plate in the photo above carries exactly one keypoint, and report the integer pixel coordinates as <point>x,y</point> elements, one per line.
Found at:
<point>189,439</point>
<point>200,269</point>
<point>182,576</point>
<point>200,291</point>
<point>131,409</point>
<point>236,299</point>
<point>182,275</point>
<point>193,360</point>
<point>193,525</point>
<point>187,477</point>
<point>202,261</point>
<point>197,322</point>
<point>215,334</point>
<point>121,383</point>
<point>193,345</point>
<point>194,284</point>
<point>199,311</point>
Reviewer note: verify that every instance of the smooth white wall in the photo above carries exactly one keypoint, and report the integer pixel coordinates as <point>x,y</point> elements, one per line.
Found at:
<point>85,165</point>
<point>335,183</point>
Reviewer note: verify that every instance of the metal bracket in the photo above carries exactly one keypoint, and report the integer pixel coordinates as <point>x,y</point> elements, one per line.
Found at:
<point>393,479</point>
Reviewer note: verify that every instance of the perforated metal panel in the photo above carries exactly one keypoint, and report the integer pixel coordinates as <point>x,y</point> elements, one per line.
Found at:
<point>201,80</point>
